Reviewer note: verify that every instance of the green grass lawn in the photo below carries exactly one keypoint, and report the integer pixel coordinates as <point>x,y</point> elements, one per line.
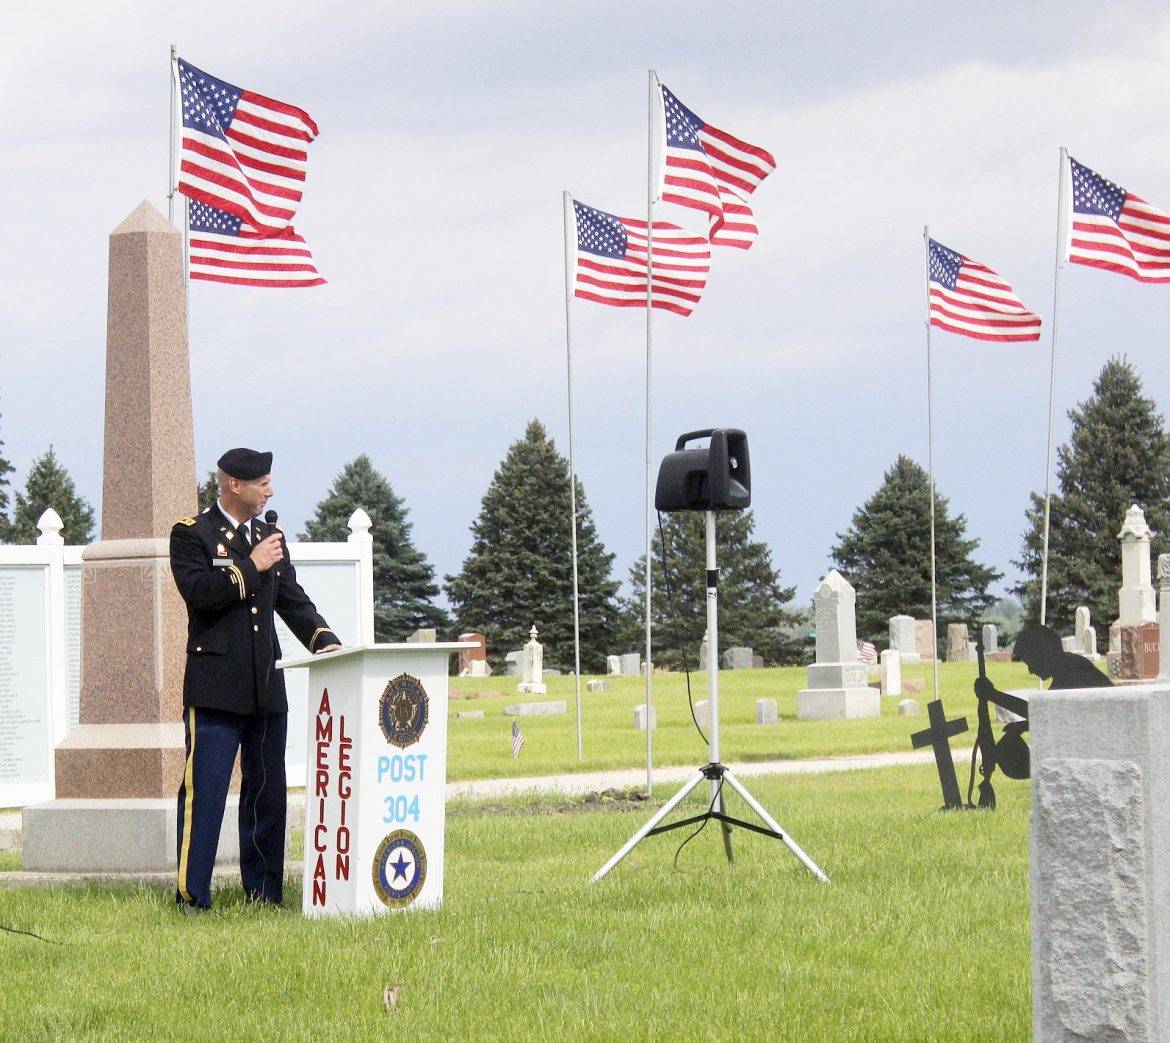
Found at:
<point>922,934</point>
<point>481,748</point>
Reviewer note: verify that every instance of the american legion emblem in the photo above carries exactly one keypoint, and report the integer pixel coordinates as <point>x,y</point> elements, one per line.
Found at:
<point>400,868</point>
<point>403,711</point>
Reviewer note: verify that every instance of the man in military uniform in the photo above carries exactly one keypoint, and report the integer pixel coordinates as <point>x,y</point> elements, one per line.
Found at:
<point>234,572</point>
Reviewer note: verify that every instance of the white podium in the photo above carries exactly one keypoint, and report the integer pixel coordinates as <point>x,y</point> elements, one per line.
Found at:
<point>376,777</point>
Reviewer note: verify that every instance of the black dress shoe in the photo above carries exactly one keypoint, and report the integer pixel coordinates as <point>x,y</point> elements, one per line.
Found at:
<point>191,909</point>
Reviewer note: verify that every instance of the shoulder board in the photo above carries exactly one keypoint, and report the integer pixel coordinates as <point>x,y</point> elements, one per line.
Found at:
<point>185,521</point>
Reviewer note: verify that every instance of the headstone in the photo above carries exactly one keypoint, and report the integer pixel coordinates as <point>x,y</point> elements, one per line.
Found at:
<point>703,713</point>
<point>597,686</point>
<point>1099,864</point>
<point>703,652</point>
<point>957,641</point>
<point>891,668</point>
<point>1085,634</point>
<point>631,664</point>
<point>613,665</point>
<point>737,659</point>
<point>990,638</point>
<point>512,661</point>
<point>640,717</point>
<point>426,636</point>
<point>1068,644</point>
<point>913,685</point>
<point>1163,613</point>
<point>766,711</point>
<point>904,639</point>
<point>548,709</point>
<point>1136,597</point>
<point>757,662</point>
<point>470,714</point>
<point>532,667</point>
<point>837,683</point>
<point>124,760</point>
<point>479,668</point>
<point>909,708</point>
<point>972,651</point>
<point>467,656</point>
<point>1140,652</point>
<point>924,639</point>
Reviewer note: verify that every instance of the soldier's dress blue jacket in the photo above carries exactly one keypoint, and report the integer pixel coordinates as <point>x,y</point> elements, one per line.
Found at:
<point>234,698</point>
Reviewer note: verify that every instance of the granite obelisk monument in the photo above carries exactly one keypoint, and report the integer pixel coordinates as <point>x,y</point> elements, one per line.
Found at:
<point>118,771</point>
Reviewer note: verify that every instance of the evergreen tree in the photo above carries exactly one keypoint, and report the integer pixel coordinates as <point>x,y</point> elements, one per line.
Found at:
<point>1118,454</point>
<point>885,555</point>
<point>752,602</point>
<point>404,583</point>
<point>49,485</point>
<point>519,573</point>
<point>5,524</point>
<point>208,492</point>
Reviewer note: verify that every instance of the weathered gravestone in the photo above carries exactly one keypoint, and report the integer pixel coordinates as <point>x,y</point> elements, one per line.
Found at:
<point>904,638</point>
<point>837,685</point>
<point>478,654</point>
<point>737,659</point>
<point>1164,614</point>
<point>1086,636</point>
<point>924,639</point>
<point>613,665</point>
<point>891,672</point>
<point>990,638</point>
<point>1099,855</point>
<point>766,711</point>
<point>631,664</point>
<point>958,650</point>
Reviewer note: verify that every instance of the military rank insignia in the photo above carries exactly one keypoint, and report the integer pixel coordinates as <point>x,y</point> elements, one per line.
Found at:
<point>403,711</point>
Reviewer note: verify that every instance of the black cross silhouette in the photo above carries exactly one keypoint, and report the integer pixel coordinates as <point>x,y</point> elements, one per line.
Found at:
<point>938,735</point>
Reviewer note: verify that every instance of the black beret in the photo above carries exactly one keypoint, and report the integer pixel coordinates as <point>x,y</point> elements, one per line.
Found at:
<point>246,464</point>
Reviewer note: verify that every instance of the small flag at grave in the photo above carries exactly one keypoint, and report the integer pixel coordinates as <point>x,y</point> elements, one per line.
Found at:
<point>224,248</point>
<point>611,262</point>
<point>866,652</point>
<point>242,152</point>
<point>517,739</point>
<point>710,170</point>
<point>1115,230</point>
<point>969,298</point>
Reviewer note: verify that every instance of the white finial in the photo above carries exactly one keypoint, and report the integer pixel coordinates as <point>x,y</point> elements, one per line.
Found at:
<point>50,525</point>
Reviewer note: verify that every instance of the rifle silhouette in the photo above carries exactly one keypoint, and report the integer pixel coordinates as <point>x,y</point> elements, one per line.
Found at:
<point>1010,754</point>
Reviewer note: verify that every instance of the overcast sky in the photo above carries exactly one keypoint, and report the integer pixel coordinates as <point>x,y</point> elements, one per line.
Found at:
<point>433,206</point>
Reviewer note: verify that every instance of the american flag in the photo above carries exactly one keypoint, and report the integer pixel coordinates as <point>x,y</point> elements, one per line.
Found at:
<point>242,152</point>
<point>969,298</point>
<point>611,262</point>
<point>710,170</point>
<point>1115,230</point>
<point>517,739</point>
<point>866,652</point>
<point>224,248</point>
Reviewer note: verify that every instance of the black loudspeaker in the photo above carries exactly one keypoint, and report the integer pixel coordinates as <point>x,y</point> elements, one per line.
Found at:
<point>717,477</point>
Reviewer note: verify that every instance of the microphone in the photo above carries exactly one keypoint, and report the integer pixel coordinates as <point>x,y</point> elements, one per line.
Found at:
<point>270,520</point>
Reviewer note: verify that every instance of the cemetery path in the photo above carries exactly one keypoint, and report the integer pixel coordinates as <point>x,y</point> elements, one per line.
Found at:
<point>578,784</point>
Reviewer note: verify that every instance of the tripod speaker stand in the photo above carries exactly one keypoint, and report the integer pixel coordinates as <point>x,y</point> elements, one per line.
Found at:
<point>714,771</point>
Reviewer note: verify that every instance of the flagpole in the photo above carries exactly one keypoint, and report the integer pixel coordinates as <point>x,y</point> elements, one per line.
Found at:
<point>570,216</point>
<point>653,79</point>
<point>171,160</point>
<point>930,468</point>
<point>1061,254</point>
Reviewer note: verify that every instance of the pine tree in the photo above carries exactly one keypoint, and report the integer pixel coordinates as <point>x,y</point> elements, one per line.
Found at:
<point>1118,454</point>
<point>885,555</point>
<point>519,573</point>
<point>752,602</point>
<point>208,492</point>
<point>404,582</point>
<point>5,524</point>
<point>49,485</point>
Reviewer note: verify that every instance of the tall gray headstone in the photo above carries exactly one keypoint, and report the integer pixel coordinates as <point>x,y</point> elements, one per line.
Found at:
<point>990,638</point>
<point>904,639</point>
<point>837,682</point>
<point>1099,852</point>
<point>1136,597</point>
<point>957,643</point>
